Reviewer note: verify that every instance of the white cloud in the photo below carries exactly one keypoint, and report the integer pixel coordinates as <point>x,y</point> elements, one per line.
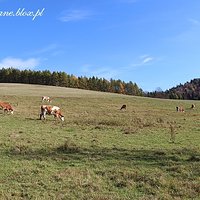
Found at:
<point>143,60</point>
<point>146,59</point>
<point>75,15</point>
<point>19,63</point>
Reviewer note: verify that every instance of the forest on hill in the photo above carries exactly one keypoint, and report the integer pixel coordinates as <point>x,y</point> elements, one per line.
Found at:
<point>188,91</point>
<point>62,79</point>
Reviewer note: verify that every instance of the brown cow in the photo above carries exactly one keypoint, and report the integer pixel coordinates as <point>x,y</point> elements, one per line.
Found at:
<point>123,107</point>
<point>6,107</point>
<point>51,110</point>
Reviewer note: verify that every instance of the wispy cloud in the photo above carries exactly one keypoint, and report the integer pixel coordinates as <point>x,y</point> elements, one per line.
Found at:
<point>46,49</point>
<point>194,21</point>
<point>19,63</point>
<point>187,38</point>
<point>101,72</point>
<point>113,72</point>
<point>75,15</point>
<point>143,60</point>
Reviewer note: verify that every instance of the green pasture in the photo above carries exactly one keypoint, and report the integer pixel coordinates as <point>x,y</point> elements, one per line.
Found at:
<point>148,151</point>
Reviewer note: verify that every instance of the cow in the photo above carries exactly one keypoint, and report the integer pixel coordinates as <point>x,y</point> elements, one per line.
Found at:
<point>180,109</point>
<point>51,110</point>
<point>123,107</point>
<point>46,98</point>
<point>6,107</point>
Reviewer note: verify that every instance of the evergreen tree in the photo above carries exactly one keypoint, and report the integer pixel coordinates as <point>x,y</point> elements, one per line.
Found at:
<point>54,79</point>
<point>63,82</point>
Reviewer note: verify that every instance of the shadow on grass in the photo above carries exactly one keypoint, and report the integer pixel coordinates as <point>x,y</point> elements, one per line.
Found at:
<point>32,119</point>
<point>69,152</point>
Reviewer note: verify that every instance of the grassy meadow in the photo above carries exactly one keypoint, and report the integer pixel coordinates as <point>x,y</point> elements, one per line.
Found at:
<point>100,152</point>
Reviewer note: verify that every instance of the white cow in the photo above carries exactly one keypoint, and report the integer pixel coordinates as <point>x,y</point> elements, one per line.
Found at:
<point>46,98</point>
<point>51,110</point>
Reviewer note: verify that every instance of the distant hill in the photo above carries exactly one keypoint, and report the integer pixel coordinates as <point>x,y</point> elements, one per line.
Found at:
<point>189,90</point>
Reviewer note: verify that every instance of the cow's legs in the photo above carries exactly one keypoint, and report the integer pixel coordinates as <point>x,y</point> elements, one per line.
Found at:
<point>43,114</point>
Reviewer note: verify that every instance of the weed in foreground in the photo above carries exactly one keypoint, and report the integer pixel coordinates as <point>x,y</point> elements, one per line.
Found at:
<point>172,133</point>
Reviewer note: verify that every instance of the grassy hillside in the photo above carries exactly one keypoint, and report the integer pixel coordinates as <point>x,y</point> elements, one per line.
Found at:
<point>148,151</point>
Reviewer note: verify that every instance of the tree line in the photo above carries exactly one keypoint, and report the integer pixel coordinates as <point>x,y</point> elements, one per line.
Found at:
<point>188,91</point>
<point>62,79</point>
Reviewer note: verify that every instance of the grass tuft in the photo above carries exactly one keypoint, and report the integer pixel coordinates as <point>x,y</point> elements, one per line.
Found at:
<point>69,147</point>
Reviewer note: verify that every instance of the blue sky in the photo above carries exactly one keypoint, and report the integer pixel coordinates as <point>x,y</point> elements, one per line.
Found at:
<point>154,43</point>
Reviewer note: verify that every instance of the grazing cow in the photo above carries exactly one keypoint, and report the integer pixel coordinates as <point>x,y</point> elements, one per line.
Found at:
<point>6,107</point>
<point>123,107</point>
<point>180,109</point>
<point>51,110</point>
<point>46,98</point>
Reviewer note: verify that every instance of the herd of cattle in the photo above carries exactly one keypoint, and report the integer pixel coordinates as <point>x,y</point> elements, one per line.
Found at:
<point>56,111</point>
<point>181,109</point>
<point>45,109</point>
